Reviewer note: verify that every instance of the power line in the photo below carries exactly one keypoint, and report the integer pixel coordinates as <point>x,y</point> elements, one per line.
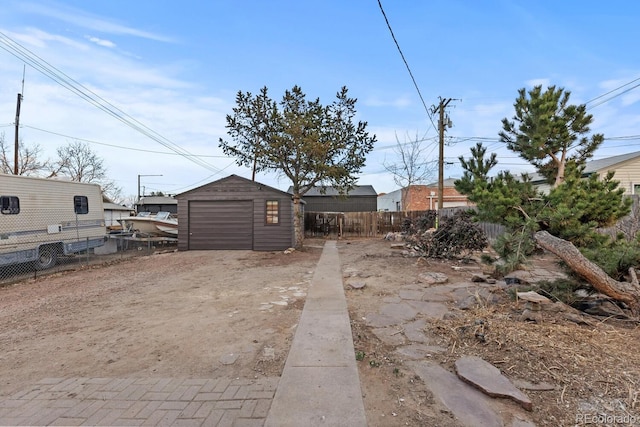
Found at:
<point>117,146</point>
<point>424,104</point>
<point>48,70</point>
<point>611,91</point>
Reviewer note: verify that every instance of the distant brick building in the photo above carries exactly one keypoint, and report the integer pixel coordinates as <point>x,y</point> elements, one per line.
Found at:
<point>422,198</point>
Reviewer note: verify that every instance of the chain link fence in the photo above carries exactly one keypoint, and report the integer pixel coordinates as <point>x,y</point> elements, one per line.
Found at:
<point>34,244</point>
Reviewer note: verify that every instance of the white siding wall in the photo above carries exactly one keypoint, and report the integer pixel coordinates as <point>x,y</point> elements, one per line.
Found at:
<point>628,173</point>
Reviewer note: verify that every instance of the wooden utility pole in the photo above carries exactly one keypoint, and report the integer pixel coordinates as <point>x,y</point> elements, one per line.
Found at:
<point>441,124</point>
<point>16,145</point>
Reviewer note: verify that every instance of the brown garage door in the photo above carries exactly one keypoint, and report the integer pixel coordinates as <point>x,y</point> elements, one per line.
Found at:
<point>221,224</point>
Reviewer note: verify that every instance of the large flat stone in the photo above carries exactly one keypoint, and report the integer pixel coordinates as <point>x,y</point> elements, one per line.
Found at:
<point>380,320</point>
<point>433,310</point>
<point>401,311</point>
<point>437,293</point>
<point>389,336</point>
<point>411,294</point>
<point>486,377</point>
<point>414,331</point>
<point>468,405</point>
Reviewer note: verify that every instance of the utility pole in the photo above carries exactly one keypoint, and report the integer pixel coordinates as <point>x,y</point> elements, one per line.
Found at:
<point>442,122</point>
<point>15,149</point>
<point>16,145</point>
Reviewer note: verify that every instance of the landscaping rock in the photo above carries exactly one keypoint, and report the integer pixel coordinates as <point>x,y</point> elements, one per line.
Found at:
<point>467,404</point>
<point>410,294</point>
<point>228,359</point>
<point>486,377</point>
<point>414,331</point>
<point>389,336</point>
<point>433,310</point>
<point>437,293</point>
<point>400,312</point>
<point>433,278</point>
<point>468,302</point>
<point>380,320</point>
<point>532,296</point>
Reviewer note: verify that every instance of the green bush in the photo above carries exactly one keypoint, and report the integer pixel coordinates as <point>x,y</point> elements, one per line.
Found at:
<point>615,257</point>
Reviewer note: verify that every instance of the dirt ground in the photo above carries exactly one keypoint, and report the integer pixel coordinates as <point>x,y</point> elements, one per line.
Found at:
<point>233,314</point>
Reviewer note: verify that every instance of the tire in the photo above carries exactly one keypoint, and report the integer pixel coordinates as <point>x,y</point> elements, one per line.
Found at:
<point>47,257</point>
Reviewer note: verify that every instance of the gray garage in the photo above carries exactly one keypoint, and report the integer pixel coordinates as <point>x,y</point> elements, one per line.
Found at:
<point>235,213</point>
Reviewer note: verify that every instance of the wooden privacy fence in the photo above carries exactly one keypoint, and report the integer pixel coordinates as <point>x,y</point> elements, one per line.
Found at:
<point>374,224</point>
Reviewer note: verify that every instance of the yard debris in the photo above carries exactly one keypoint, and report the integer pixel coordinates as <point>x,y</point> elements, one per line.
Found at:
<point>394,236</point>
<point>290,250</point>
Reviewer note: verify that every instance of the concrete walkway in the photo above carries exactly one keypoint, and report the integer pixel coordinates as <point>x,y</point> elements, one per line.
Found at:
<point>320,384</point>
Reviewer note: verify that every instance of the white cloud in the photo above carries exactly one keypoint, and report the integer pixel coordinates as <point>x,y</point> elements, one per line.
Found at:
<point>37,38</point>
<point>101,42</point>
<point>82,19</point>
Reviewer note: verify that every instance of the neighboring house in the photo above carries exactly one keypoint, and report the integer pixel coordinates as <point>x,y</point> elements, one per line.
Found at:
<point>390,202</point>
<point>625,166</point>
<point>361,198</point>
<point>112,213</point>
<point>155,204</point>
<point>235,213</point>
<point>422,198</point>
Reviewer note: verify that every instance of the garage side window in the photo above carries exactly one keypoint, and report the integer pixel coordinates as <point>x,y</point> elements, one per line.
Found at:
<point>81,205</point>
<point>9,205</point>
<point>273,212</point>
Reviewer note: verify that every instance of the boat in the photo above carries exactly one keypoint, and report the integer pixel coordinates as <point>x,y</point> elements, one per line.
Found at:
<point>162,224</point>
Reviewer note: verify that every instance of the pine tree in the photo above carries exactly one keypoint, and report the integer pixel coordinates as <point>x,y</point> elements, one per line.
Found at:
<point>548,132</point>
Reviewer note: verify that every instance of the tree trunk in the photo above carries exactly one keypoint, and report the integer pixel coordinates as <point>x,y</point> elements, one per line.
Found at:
<point>298,222</point>
<point>603,283</point>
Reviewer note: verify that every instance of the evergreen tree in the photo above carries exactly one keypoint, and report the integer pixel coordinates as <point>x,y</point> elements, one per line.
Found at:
<point>548,132</point>
<point>550,135</point>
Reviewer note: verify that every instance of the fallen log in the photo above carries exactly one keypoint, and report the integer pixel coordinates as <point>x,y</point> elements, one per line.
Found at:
<point>628,293</point>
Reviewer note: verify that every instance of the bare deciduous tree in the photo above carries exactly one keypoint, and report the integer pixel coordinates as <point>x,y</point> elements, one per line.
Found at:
<point>29,162</point>
<point>411,166</point>
<point>79,162</point>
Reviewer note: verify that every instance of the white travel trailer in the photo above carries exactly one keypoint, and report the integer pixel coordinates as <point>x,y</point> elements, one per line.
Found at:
<point>41,219</point>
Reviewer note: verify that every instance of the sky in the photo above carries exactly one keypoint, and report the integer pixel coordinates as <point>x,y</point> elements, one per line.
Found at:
<point>169,71</point>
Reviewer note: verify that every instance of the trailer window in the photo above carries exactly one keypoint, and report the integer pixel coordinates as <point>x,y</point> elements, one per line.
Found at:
<point>272,212</point>
<point>10,205</point>
<point>81,204</point>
